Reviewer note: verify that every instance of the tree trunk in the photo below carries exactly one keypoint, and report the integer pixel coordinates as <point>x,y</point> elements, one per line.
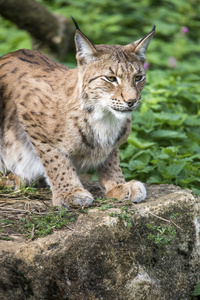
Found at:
<point>52,31</point>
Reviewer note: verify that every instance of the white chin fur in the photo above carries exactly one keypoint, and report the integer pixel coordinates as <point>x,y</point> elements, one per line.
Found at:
<point>121,115</point>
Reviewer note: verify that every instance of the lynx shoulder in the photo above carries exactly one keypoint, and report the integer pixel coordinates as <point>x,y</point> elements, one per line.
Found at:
<point>55,121</point>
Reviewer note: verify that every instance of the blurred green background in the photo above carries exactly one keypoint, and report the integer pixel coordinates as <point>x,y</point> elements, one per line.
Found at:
<point>164,146</point>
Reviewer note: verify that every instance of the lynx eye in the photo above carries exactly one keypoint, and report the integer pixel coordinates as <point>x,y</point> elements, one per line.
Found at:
<point>111,78</point>
<point>138,78</point>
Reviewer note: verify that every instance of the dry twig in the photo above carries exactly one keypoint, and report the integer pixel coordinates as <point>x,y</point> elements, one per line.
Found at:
<point>168,221</point>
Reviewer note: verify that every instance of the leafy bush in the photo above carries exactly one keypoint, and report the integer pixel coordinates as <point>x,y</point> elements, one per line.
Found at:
<point>11,38</point>
<point>165,142</point>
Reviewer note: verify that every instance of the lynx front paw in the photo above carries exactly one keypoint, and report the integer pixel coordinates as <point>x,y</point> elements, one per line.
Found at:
<point>76,198</point>
<point>132,190</point>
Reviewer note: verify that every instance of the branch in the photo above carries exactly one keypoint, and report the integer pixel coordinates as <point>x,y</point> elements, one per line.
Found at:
<point>55,30</point>
<point>169,221</point>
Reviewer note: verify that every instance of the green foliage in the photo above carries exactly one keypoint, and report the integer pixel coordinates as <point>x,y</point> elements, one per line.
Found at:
<point>161,235</point>
<point>11,38</point>
<point>164,146</point>
<point>40,226</point>
<point>106,206</point>
<point>124,215</point>
<point>197,290</point>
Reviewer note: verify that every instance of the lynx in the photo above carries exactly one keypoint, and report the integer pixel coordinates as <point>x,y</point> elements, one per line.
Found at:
<point>55,121</point>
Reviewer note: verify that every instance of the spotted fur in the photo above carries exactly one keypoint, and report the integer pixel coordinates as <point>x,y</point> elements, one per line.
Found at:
<point>55,121</point>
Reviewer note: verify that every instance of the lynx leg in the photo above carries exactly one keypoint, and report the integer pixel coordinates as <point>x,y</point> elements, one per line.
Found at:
<point>112,180</point>
<point>66,186</point>
<point>110,173</point>
<point>133,190</point>
<point>75,198</point>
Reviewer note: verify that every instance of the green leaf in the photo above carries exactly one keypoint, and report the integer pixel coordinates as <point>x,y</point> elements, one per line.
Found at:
<point>171,171</point>
<point>155,179</point>
<point>168,134</point>
<point>196,191</point>
<point>196,290</point>
<point>192,121</point>
<point>139,143</point>
<point>170,151</point>
<point>171,118</point>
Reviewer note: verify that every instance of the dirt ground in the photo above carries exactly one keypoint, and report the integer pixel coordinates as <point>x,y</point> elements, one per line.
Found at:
<point>16,203</point>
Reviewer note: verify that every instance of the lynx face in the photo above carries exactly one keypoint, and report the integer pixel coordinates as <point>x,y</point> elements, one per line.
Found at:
<point>113,85</point>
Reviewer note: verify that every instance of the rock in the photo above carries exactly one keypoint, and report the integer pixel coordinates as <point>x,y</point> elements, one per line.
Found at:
<point>102,257</point>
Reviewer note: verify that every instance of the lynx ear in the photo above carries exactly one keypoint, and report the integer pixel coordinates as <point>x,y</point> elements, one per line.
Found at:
<point>85,50</point>
<point>139,47</point>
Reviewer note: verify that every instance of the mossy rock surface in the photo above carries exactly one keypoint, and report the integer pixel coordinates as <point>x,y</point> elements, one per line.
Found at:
<point>101,257</point>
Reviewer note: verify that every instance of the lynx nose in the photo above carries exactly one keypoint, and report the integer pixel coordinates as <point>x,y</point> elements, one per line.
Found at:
<point>130,102</point>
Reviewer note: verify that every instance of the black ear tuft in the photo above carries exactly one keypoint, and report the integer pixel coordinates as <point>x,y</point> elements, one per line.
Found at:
<point>75,23</point>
